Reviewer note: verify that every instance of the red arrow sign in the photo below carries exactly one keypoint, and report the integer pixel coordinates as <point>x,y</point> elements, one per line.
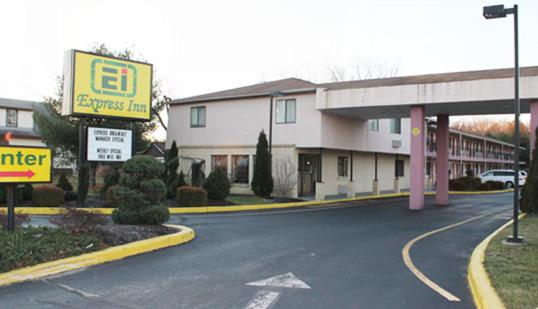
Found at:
<point>28,173</point>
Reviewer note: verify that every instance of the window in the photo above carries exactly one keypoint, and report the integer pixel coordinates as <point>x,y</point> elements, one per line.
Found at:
<point>342,166</point>
<point>197,116</point>
<point>396,126</point>
<point>373,124</point>
<point>399,168</point>
<point>220,162</point>
<point>11,118</point>
<point>285,111</point>
<point>240,169</point>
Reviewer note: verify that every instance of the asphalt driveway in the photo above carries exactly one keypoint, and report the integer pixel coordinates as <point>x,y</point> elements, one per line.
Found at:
<point>348,257</point>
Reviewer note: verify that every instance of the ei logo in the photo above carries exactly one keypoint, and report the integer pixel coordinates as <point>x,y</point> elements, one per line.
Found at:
<point>114,78</point>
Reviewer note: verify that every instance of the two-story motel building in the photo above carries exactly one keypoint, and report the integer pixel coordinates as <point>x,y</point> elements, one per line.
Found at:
<point>334,155</point>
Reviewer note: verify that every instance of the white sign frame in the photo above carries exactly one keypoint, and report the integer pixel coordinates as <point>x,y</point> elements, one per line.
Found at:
<point>108,144</point>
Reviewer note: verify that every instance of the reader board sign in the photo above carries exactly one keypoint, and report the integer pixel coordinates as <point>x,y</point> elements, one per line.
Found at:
<point>102,86</point>
<point>21,164</point>
<point>111,145</point>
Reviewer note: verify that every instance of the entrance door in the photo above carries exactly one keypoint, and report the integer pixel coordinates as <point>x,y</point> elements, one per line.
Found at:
<point>308,174</point>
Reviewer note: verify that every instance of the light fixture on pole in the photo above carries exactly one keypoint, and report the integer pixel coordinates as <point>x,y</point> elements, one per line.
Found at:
<point>499,11</point>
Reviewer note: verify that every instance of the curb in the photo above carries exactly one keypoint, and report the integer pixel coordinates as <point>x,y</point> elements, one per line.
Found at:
<point>99,257</point>
<point>484,294</point>
<point>216,209</point>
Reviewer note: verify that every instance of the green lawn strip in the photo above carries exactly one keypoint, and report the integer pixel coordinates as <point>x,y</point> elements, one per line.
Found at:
<point>513,270</point>
<point>247,200</point>
<point>34,245</point>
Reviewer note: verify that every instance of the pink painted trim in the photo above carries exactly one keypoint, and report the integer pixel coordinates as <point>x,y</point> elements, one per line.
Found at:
<point>416,181</point>
<point>441,161</point>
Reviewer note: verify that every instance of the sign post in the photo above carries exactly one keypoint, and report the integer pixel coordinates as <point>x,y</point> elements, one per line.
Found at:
<point>20,164</point>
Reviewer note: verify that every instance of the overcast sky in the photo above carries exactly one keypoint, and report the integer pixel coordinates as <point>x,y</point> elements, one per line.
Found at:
<point>205,46</point>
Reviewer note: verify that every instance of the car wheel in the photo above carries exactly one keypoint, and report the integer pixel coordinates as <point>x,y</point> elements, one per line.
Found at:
<point>509,184</point>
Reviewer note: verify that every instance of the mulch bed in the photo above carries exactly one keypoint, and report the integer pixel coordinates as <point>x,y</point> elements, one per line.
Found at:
<point>117,234</point>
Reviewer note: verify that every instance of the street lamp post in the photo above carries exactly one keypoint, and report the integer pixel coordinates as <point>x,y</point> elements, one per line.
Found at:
<point>498,11</point>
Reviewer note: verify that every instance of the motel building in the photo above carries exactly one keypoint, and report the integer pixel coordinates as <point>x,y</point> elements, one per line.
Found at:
<point>353,138</point>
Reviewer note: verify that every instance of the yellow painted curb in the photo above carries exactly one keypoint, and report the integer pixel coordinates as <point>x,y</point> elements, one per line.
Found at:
<point>99,257</point>
<point>484,294</point>
<point>214,209</point>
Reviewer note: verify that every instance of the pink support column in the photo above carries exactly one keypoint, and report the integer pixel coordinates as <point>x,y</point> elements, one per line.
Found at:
<point>534,123</point>
<point>441,162</point>
<point>416,183</point>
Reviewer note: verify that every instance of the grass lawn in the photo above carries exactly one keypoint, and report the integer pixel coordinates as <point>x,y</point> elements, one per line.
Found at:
<point>30,246</point>
<point>513,270</point>
<point>247,200</point>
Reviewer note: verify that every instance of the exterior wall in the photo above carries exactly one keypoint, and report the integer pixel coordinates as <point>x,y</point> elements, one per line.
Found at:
<point>232,128</point>
<point>363,173</point>
<point>353,134</point>
<point>187,154</point>
<point>26,142</point>
<point>238,122</point>
<point>2,117</point>
<point>25,119</point>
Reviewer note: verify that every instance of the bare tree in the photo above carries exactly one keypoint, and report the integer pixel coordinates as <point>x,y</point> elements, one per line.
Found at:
<point>363,69</point>
<point>285,177</point>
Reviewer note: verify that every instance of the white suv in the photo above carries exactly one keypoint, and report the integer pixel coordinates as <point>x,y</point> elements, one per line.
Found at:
<point>505,176</point>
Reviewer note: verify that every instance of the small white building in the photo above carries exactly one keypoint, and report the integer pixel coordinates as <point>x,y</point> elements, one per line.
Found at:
<point>17,123</point>
<point>330,154</point>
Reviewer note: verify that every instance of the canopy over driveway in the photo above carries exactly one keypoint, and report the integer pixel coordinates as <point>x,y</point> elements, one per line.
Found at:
<point>442,95</point>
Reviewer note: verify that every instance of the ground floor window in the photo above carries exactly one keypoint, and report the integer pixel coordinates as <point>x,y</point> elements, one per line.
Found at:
<point>220,162</point>
<point>399,168</point>
<point>342,166</point>
<point>240,169</point>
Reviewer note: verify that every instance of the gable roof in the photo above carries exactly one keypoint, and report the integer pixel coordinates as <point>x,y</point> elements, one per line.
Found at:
<point>256,90</point>
<point>295,85</point>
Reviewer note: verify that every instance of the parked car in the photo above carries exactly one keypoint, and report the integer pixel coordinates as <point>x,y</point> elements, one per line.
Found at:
<point>506,176</point>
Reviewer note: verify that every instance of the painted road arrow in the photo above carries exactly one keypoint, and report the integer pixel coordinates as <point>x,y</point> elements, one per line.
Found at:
<point>266,298</point>
<point>28,173</point>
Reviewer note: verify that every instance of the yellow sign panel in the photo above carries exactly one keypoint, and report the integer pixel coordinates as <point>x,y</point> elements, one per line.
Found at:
<point>102,86</point>
<point>415,131</point>
<point>25,164</point>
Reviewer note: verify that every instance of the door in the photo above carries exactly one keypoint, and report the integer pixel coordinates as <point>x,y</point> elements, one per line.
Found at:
<point>308,174</point>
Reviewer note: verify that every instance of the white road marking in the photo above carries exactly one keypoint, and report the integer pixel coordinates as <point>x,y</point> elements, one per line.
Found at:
<point>287,280</point>
<point>72,289</point>
<point>263,300</point>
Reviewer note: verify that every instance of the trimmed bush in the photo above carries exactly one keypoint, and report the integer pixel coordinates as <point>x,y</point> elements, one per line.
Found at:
<point>484,187</point>
<point>191,196</point>
<point>217,185</point>
<point>47,196</point>
<point>20,193</point>
<point>181,182</point>
<point>495,185</point>
<point>70,196</point>
<point>262,179</point>
<point>111,178</point>
<point>466,183</point>
<point>64,184</point>
<point>139,192</point>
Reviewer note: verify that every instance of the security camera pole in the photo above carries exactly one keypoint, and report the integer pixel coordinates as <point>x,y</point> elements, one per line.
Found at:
<point>498,11</point>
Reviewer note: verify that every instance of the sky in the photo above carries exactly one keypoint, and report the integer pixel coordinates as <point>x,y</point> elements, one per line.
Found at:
<point>205,46</point>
